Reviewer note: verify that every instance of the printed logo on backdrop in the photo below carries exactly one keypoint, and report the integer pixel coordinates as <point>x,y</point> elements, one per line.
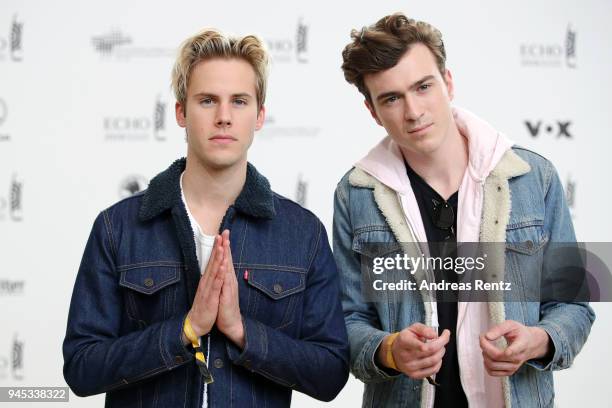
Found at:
<point>145,127</point>
<point>11,361</point>
<point>301,191</point>
<point>272,128</point>
<point>4,137</point>
<point>116,45</point>
<point>11,206</point>
<point>559,129</point>
<point>11,45</point>
<point>560,53</point>
<point>11,287</point>
<point>132,184</point>
<point>290,48</point>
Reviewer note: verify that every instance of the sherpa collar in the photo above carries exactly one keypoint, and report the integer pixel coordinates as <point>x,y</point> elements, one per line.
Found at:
<point>164,192</point>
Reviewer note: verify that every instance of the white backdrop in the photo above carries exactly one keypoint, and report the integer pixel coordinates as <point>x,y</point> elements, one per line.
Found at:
<point>86,116</point>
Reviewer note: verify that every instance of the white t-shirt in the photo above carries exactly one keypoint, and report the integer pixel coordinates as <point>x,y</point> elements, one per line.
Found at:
<point>204,246</point>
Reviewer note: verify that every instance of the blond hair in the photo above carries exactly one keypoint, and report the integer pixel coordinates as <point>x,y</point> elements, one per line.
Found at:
<point>211,43</point>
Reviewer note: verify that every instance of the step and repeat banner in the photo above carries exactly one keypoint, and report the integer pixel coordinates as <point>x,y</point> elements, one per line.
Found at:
<point>87,118</point>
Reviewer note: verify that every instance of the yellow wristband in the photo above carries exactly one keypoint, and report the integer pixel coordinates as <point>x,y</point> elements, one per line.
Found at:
<point>389,344</point>
<point>194,339</point>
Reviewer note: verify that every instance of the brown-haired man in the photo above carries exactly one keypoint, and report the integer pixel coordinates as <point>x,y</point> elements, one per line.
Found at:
<point>444,175</point>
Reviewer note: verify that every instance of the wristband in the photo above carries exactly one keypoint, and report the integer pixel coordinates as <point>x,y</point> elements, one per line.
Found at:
<point>199,354</point>
<point>389,356</point>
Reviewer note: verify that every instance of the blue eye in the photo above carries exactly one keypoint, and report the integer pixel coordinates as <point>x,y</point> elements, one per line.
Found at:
<point>424,87</point>
<point>206,101</point>
<point>240,102</point>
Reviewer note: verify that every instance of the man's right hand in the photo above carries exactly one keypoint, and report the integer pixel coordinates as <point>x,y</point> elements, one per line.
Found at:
<point>417,351</point>
<point>203,312</point>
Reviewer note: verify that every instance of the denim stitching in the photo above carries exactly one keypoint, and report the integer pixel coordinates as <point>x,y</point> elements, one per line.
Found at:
<point>275,296</point>
<point>124,381</point>
<point>150,263</point>
<point>316,246</point>
<point>161,350</point>
<point>186,386</point>
<point>148,291</point>
<point>369,228</point>
<point>522,224</point>
<point>275,378</point>
<point>109,232</point>
<point>281,268</point>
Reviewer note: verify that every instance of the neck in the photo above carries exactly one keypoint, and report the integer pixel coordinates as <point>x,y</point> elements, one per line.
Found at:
<point>204,186</point>
<point>444,168</point>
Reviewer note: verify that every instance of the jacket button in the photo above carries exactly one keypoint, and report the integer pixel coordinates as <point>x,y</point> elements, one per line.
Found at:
<point>149,282</point>
<point>218,363</point>
<point>178,359</point>
<point>278,288</point>
<point>498,188</point>
<point>247,364</point>
<point>496,222</point>
<point>529,244</point>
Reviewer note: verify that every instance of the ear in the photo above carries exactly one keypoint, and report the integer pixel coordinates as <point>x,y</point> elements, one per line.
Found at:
<point>372,111</point>
<point>450,87</point>
<point>261,117</point>
<point>179,112</point>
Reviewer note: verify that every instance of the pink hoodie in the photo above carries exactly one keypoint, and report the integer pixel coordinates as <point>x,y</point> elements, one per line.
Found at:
<point>486,146</point>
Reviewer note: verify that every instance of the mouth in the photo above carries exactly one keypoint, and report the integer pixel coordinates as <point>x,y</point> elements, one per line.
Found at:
<point>223,139</point>
<point>420,129</point>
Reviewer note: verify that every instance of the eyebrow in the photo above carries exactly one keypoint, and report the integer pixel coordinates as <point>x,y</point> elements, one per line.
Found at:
<point>236,95</point>
<point>413,86</point>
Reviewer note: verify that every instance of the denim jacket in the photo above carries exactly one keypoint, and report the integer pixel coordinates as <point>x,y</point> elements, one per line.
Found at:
<point>137,281</point>
<point>366,210</point>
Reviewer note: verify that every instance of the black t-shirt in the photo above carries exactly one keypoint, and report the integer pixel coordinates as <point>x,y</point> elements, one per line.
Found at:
<point>442,242</point>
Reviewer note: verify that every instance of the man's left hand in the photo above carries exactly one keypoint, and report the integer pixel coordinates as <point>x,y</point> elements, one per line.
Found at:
<point>524,343</point>
<point>229,319</point>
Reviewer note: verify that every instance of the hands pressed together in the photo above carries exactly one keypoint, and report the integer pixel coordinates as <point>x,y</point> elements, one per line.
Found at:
<point>418,350</point>
<point>216,300</point>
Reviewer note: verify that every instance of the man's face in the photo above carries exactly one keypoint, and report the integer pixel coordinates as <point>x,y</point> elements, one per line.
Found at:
<point>221,113</point>
<point>412,101</point>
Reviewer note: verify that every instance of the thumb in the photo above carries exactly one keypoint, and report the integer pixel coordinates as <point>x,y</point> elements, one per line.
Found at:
<point>500,330</point>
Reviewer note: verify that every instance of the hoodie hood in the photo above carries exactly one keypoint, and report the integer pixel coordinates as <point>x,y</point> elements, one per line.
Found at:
<point>486,146</point>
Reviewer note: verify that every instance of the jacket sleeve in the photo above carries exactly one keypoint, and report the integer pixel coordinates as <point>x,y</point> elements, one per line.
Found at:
<point>568,324</point>
<point>360,317</point>
<point>97,358</point>
<point>317,362</point>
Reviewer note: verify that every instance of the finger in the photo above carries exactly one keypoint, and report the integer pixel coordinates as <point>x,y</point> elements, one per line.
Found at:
<point>441,341</point>
<point>517,347</point>
<point>409,341</point>
<point>423,331</point>
<point>500,373</point>
<point>500,366</point>
<point>427,362</point>
<point>217,285</point>
<point>500,330</point>
<point>219,258</point>
<point>489,349</point>
<point>420,374</point>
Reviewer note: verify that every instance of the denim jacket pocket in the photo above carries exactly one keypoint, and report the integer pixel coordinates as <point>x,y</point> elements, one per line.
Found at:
<point>525,242</point>
<point>374,240</point>
<point>151,290</point>
<point>275,295</point>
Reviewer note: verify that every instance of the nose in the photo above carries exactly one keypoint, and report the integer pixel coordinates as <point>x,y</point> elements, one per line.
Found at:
<point>224,116</point>
<point>412,109</point>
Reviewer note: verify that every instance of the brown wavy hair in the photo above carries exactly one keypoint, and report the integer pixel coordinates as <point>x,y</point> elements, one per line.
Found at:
<point>381,45</point>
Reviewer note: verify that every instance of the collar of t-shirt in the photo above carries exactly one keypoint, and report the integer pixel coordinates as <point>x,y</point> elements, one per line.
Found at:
<point>203,243</point>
